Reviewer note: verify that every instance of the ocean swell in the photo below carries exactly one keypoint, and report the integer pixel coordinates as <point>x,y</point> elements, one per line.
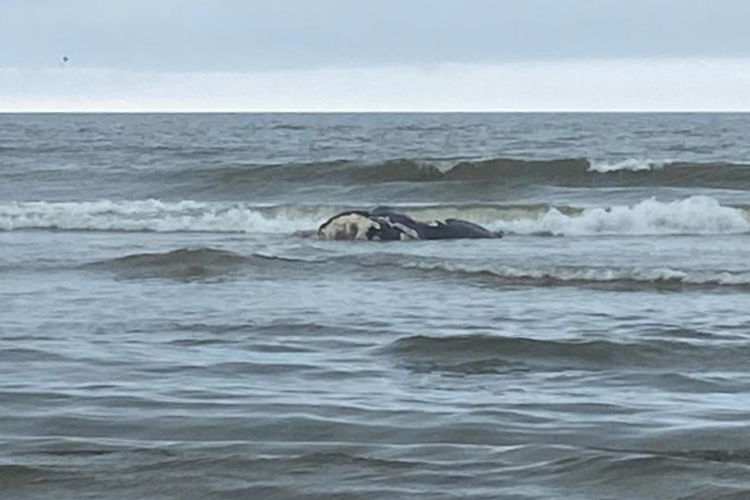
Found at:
<point>565,172</point>
<point>487,353</point>
<point>181,264</point>
<point>611,278</point>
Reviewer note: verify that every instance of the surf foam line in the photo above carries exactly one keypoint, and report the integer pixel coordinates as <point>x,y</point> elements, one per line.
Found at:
<point>151,215</point>
<point>694,215</point>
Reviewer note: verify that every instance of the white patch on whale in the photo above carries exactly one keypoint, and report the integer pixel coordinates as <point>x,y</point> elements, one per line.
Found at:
<point>348,227</point>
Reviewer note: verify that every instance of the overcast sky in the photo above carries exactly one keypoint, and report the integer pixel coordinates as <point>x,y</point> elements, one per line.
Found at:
<point>175,54</point>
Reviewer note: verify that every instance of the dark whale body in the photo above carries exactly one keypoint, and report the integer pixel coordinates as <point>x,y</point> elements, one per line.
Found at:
<point>388,225</point>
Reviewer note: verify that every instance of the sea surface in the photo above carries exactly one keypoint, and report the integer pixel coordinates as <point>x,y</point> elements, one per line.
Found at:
<point>170,330</point>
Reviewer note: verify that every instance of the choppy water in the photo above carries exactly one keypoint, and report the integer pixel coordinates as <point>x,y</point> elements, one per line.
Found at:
<point>167,332</point>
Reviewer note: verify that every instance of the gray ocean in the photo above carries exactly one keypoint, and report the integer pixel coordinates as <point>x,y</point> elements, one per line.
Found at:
<point>170,330</point>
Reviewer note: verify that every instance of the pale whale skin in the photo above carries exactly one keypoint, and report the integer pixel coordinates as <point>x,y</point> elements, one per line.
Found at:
<point>386,225</point>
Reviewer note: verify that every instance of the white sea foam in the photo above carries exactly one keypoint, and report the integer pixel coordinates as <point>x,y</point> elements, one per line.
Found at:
<point>632,164</point>
<point>148,215</point>
<point>694,215</point>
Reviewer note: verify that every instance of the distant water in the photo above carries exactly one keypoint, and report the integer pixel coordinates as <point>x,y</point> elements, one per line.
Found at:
<point>168,332</point>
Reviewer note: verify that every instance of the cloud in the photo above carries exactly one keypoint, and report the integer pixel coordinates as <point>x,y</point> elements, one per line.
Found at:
<point>584,85</point>
<point>241,35</point>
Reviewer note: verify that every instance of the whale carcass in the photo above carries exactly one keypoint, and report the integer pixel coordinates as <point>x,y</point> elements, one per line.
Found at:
<point>388,225</point>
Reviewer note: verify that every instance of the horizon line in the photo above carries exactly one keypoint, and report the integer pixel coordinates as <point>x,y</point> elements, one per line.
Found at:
<point>376,112</point>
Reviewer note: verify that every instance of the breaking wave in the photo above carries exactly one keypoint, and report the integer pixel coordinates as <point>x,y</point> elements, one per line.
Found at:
<point>630,164</point>
<point>694,215</point>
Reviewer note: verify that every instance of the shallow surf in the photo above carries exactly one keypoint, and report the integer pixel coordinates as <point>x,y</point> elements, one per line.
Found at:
<point>169,328</point>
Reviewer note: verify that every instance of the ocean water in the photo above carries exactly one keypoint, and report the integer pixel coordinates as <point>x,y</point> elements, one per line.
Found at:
<point>168,329</point>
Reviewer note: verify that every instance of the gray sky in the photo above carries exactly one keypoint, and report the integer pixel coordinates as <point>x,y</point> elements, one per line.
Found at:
<point>199,35</point>
<point>253,37</point>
